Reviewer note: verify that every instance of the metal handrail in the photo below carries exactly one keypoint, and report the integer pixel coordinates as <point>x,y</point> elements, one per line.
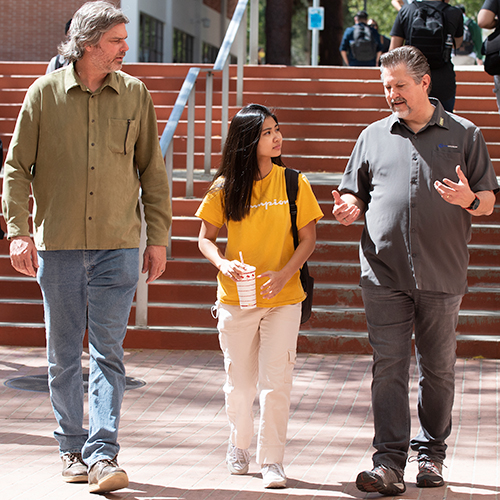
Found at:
<point>237,27</point>
<point>231,32</point>
<point>180,104</point>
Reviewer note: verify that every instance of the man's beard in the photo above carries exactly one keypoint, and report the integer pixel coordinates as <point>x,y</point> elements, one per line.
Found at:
<point>401,113</point>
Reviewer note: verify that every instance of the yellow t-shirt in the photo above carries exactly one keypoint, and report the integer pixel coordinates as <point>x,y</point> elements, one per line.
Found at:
<point>264,236</point>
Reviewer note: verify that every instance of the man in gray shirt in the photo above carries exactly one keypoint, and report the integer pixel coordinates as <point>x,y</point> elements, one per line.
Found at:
<point>418,176</point>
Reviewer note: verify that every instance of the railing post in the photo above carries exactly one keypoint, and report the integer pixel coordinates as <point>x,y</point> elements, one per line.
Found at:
<point>254,32</point>
<point>225,103</point>
<point>190,143</point>
<point>141,294</point>
<point>169,165</point>
<point>242,52</point>
<point>209,85</point>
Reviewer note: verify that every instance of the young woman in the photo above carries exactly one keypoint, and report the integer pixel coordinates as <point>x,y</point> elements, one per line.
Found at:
<point>248,195</point>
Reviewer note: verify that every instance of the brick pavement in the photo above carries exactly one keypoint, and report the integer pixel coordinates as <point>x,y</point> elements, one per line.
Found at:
<point>174,432</point>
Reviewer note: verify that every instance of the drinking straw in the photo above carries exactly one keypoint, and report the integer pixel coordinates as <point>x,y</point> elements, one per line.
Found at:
<point>241,258</point>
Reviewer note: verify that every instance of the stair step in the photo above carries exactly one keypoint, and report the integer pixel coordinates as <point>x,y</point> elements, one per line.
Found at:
<point>18,287</point>
<point>476,322</point>
<point>305,163</point>
<point>311,341</point>
<point>23,310</point>
<point>346,313</point>
<point>200,269</point>
<point>179,314</point>
<point>186,292</point>
<point>483,275</point>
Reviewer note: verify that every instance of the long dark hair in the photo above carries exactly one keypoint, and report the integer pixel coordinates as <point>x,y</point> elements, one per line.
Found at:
<point>239,167</point>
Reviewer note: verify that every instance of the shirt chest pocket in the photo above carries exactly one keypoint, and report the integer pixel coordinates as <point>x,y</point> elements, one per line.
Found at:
<point>122,134</point>
<point>444,164</point>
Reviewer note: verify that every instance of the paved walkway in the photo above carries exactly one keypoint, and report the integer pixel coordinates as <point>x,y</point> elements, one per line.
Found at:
<point>174,432</point>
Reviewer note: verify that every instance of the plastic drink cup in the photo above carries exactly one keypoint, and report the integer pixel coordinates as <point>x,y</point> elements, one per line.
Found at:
<point>246,289</point>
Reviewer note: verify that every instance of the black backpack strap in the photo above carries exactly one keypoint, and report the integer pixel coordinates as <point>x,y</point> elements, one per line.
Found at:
<point>292,187</point>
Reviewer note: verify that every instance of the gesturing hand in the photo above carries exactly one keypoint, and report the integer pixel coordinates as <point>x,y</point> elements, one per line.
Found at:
<point>345,213</point>
<point>456,193</point>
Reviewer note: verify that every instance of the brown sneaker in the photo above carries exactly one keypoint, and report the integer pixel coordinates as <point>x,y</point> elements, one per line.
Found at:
<point>385,480</point>
<point>430,473</point>
<point>74,468</point>
<point>105,475</point>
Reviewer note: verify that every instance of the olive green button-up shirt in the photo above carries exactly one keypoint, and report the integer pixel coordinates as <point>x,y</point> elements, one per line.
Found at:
<point>87,157</point>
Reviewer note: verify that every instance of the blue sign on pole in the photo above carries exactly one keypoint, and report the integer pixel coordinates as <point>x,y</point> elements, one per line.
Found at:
<point>316,18</point>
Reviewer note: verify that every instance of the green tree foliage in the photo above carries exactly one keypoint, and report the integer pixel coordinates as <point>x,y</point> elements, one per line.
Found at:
<point>301,37</point>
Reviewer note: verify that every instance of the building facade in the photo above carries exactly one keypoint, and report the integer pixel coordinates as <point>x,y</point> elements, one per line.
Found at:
<point>168,31</point>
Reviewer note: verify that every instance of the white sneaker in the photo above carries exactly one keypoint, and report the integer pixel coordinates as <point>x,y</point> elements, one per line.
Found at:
<point>237,460</point>
<point>273,476</point>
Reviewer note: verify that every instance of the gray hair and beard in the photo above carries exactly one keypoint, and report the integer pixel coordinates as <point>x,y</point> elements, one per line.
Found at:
<point>88,25</point>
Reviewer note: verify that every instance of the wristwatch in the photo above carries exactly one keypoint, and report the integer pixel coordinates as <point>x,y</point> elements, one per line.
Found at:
<point>474,204</point>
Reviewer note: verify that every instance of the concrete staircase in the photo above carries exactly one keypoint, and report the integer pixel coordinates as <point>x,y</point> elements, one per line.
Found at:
<point>321,111</point>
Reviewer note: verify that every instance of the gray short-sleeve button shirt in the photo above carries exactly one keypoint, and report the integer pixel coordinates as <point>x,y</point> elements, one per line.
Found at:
<point>412,238</point>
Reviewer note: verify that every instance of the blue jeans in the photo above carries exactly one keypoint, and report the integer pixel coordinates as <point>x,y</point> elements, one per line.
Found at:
<point>392,316</point>
<point>94,287</point>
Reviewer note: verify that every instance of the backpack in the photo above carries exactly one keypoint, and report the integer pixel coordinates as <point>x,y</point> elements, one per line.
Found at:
<point>306,280</point>
<point>363,46</point>
<point>491,51</point>
<point>467,46</point>
<point>428,32</point>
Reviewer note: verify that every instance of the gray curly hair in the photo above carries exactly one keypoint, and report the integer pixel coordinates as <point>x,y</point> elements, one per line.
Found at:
<point>89,23</point>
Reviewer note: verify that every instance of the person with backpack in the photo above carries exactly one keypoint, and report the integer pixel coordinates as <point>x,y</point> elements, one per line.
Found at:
<point>435,28</point>
<point>58,61</point>
<point>469,53</point>
<point>360,44</point>
<point>249,196</point>
<point>488,18</point>
<point>385,41</point>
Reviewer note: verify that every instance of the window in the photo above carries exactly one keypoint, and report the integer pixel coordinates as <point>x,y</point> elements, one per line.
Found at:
<point>209,53</point>
<point>182,51</point>
<point>150,39</point>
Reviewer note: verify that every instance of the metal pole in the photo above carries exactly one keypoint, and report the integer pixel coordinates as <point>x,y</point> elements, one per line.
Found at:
<point>314,47</point>
<point>254,32</point>
<point>315,41</point>
<point>242,53</point>
<point>141,294</point>
<point>190,143</point>
<point>209,85</point>
<point>169,165</point>
<point>225,103</point>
